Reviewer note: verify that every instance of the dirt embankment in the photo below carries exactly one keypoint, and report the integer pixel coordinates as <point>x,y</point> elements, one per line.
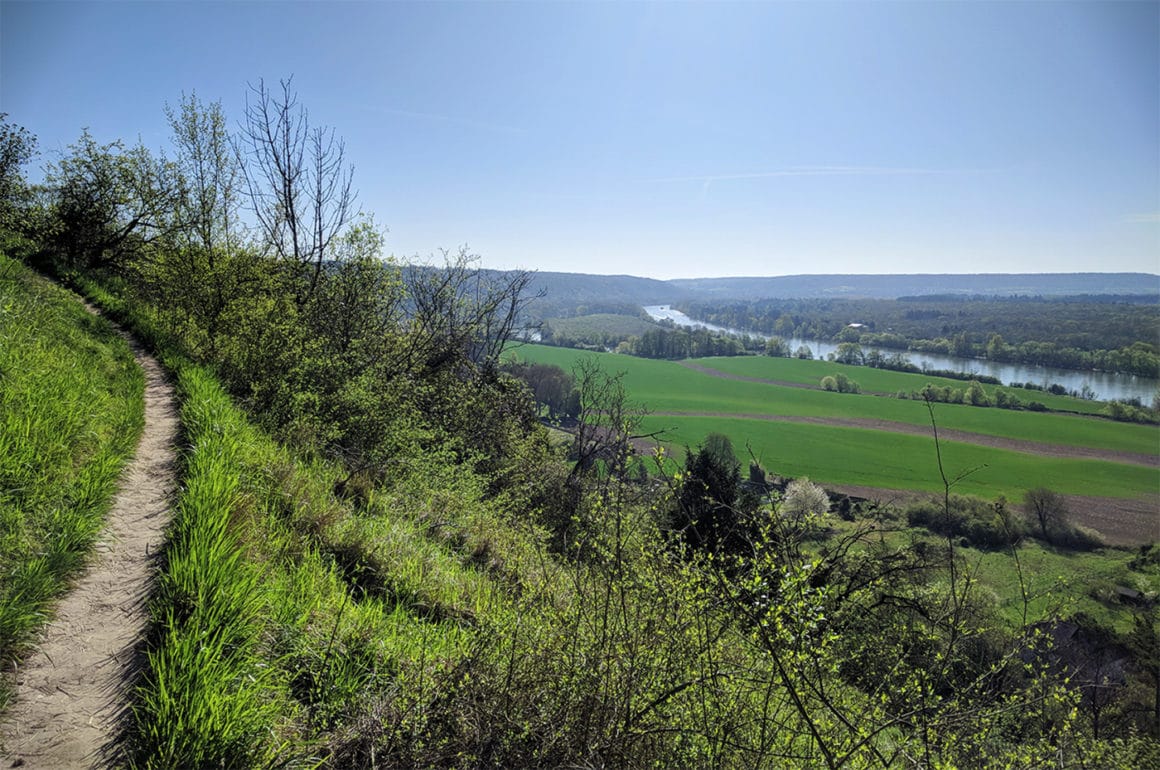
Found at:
<point>70,692</point>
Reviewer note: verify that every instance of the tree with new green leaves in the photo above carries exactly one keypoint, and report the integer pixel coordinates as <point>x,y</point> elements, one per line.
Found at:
<point>109,204</point>
<point>202,270</point>
<point>849,353</point>
<point>975,394</point>
<point>777,347</point>
<point>17,147</point>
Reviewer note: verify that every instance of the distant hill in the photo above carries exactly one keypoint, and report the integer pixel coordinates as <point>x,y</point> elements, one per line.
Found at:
<point>571,293</point>
<point>893,286</point>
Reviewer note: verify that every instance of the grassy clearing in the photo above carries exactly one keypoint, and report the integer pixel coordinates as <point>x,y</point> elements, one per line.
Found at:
<point>1060,583</point>
<point>600,325</point>
<point>71,411</point>
<point>665,386</point>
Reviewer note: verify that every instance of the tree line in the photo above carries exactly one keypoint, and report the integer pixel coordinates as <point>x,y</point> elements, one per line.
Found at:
<point>1070,334</point>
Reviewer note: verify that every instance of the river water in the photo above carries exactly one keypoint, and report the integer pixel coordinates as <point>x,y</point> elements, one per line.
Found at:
<point>1107,386</point>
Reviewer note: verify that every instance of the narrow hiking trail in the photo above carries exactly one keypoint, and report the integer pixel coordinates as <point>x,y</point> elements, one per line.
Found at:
<point>70,692</point>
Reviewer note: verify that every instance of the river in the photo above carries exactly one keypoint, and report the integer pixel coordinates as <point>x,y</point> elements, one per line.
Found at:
<point>1107,386</point>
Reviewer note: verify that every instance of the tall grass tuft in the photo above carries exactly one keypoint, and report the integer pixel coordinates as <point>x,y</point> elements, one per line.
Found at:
<point>71,410</point>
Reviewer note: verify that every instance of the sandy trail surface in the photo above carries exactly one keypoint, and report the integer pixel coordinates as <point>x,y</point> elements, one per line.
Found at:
<point>70,692</point>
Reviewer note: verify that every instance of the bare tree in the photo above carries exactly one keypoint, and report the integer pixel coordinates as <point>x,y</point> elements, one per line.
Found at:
<point>461,313</point>
<point>1047,508</point>
<point>298,180</point>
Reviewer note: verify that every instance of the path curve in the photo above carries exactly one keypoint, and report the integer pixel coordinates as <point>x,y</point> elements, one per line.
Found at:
<point>69,693</point>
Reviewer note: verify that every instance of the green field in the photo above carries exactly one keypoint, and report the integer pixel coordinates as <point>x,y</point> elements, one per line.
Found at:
<point>879,380</point>
<point>600,325</point>
<point>691,404</point>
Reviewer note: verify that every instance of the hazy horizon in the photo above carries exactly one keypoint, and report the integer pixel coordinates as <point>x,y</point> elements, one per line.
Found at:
<point>684,139</point>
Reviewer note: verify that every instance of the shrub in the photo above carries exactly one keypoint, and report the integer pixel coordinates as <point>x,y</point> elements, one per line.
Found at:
<point>981,524</point>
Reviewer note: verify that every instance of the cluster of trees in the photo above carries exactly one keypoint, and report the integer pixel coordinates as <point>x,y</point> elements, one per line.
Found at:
<point>1043,514</point>
<point>1087,335</point>
<point>840,383</point>
<point>553,388</point>
<point>248,250</point>
<point>673,343</point>
<point>973,395</point>
<point>776,347</point>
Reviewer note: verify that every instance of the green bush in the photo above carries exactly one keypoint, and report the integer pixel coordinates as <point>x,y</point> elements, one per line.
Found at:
<point>981,524</point>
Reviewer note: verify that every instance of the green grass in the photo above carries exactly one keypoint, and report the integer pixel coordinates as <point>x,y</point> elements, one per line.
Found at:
<point>878,380</point>
<point>600,325</point>
<point>1059,583</point>
<point>71,411</point>
<point>284,614</point>
<point>866,457</point>
<point>841,455</point>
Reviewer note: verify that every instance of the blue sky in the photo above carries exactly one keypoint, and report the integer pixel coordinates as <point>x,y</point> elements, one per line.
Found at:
<point>666,140</point>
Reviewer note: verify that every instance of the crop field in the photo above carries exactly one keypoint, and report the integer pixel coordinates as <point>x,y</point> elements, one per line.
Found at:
<point>876,441</point>
<point>879,380</point>
<point>600,324</point>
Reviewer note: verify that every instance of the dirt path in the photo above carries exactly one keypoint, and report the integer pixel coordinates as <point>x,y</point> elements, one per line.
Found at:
<point>69,692</point>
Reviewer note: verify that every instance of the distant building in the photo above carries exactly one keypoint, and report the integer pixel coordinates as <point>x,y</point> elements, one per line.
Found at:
<point>855,326</point>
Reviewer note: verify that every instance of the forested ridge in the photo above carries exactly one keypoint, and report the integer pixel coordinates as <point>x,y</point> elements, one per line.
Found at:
<point>382,557</point>
<point>1071,333</point>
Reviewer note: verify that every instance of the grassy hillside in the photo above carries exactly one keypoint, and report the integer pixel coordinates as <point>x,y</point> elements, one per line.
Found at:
<point>70,413</point>
<point>600,325</point>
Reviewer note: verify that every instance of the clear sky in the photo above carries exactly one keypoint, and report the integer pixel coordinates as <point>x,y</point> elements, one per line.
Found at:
<point>666,140</point>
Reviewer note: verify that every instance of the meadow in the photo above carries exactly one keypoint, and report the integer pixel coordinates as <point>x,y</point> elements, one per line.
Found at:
<point>689,404</point>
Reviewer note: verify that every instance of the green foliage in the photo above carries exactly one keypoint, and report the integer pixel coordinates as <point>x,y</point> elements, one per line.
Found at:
<point>17,147</point>
<point>600,331</point>
<point>70,414</point>
<point>1073,333</point>
<point>979,523</point>
<point>683,343</point>
<point>777,347</point>
<point>840,383</point>
<point>108,204</point>
<point>705,514</point>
